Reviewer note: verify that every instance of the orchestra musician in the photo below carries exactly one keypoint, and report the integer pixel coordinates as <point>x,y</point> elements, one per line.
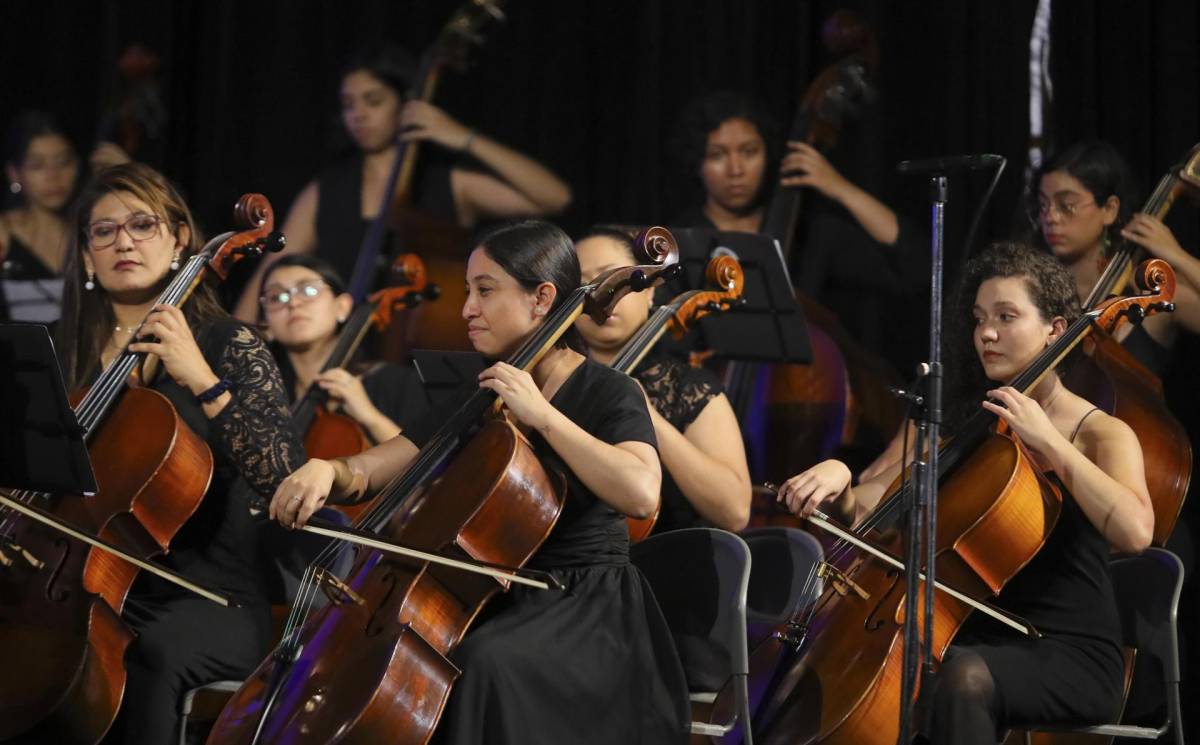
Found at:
<point>1084,202</point>
<point>130,233</point>
<point>592,663</point>
<point>706,481</point>
<point>1013,302</point>
<point>304,304</point>
<point>330,215</point>
<point>41,169</point>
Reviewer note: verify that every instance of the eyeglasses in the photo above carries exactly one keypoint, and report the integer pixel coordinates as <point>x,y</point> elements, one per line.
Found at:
<point>140,227</point>
<point>301,293</point>
<point>1066,210</point>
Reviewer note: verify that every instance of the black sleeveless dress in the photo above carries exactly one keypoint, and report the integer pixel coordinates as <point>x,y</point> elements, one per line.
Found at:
<point>679,393</point>
<point>590,664</point>
<point>1075,672</point>
<point>29,290</point>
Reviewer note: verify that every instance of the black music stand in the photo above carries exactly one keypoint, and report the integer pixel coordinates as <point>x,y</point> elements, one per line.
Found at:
<point>769,326</point>
<point>41,442</point>
<point>444,373</point>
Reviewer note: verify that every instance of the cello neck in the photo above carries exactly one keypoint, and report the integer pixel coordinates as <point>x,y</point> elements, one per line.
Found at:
<point>349,339</point>
<point>783,211</point>
<point>644,339</point>
<point>113,380</point>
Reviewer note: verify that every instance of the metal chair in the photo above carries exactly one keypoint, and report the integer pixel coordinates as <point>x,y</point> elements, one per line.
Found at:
<point>785,577</point>
<point>700,577</point>
<point>1147,589</point>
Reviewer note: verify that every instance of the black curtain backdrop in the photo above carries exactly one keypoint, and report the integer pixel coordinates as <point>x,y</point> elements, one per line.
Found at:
<point>592,88</point>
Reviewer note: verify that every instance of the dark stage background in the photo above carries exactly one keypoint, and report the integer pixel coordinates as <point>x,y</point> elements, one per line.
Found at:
<point>592,89</point>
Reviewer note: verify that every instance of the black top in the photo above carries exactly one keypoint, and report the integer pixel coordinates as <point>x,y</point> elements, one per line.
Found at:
<point>679,393</point>
<point>609,406</point>
<point>250,439</point>
<point>341,226</point>
<point>29,290</point>
<point>1066,589</point>
<point>1146,350</point>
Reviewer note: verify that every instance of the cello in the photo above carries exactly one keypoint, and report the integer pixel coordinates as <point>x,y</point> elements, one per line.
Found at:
<point>842,397</point>
<point>677,316</point>
<point>329,434</point>
<point>1114,380</point>
<point>66,598</point>
<point>373,666</point>
<point>837,678</point>
<point>443,244</point>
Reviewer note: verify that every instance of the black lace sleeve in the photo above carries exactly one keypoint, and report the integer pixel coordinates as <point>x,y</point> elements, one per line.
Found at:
<point>253,429</point>
<point>678,392</point>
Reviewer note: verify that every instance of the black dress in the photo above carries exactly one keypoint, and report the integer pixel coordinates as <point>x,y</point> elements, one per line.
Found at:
<point>590,664</point>
<point>184,641</point>
<point>679,393</point>
<point>1074,673</point>
<point>341,226</point>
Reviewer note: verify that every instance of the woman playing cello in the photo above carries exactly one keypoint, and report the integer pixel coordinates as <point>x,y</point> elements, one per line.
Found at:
<point>1013,302</point>
<point>304,302</point>
<point>131,232</point>
<point>591,663</point>
<point>706,479</point>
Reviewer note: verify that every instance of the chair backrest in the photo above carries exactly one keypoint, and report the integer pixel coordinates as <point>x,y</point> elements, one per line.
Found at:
<point>784,580</point>
<point>699,577</point>
<point>286,554</point>
<point>1148,587</point>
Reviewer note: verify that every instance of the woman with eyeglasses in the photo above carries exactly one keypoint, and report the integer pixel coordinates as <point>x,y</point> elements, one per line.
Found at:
<point>304,304</point>
<point>41,170</point>
<point>468,177</point>
<point>131,232</point>
<point>1083,204</point>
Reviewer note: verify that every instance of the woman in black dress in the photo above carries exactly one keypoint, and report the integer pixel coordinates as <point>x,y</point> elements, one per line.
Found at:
<point>131,232</point>
<point>330,215</point>
<point>1013,302</point>
<point>593,663</point>
<point>706,481</point>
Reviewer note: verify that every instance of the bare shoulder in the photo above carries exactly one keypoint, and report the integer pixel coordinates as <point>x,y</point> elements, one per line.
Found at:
<point>1102,431</point>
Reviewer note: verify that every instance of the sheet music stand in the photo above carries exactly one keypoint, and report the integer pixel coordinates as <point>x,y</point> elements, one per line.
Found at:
<point>769,326</point>
<point>443,372</point>
<point>41,442</point>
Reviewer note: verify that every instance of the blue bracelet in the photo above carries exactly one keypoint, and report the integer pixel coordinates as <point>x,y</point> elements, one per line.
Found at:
<point>212,394</point>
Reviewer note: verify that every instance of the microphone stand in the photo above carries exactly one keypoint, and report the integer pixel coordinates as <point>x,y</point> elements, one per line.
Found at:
<point>922,508</point>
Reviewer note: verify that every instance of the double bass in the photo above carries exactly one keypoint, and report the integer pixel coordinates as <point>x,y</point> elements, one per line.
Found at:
<point>842,397</point>
<point>329,434</point>
<point>1109,376</point>
<point>373,666</point>
<point>63,598</point>
<point>442,245</point>
<point>835,677</point>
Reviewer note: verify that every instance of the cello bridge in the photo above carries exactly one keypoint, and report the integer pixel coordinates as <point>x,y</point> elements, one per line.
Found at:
<point>338,591</point>
<point>841,583</point>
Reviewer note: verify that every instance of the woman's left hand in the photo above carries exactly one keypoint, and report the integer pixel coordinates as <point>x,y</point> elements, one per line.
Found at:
<point>1024,416</point>
<point>519,393</point>
<point>1151,234</point>
<point>424,121</point>
<point>175,347</point>
<point>348,391</point>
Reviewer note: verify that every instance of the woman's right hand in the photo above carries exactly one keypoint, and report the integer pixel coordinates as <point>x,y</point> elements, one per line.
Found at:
<point>302,493</point>
<point>822,483</point>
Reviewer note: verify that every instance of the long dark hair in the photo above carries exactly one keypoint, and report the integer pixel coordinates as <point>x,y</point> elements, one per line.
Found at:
<point>706,113</point>
<point>23,130</point>
<point>533,252</point>
<point>1051,289</point>
<point>1102,171</point>
<point>87,317</point>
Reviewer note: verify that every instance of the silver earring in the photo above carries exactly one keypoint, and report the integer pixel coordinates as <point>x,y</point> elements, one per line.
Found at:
<point>539,310</point>
<point>175,263</point>
<point>15,187</point>
<point>341,319</point>
<point>90,284</point>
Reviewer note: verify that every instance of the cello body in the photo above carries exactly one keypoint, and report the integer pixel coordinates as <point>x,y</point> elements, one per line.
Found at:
<point>387,658</point>
<point>995,512</point>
